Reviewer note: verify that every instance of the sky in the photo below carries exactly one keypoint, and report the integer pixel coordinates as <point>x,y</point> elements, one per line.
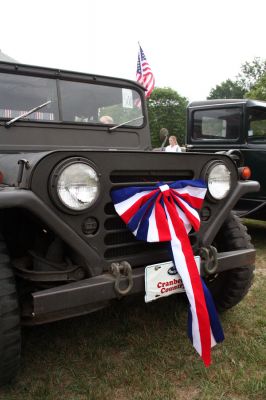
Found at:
<point>191,45</point>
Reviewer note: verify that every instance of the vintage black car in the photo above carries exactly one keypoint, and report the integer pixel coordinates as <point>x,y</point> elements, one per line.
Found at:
<point>67,139</point>
<point>239,128</point>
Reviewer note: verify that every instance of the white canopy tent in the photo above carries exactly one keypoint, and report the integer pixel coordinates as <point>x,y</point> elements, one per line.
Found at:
<point>5,57</point>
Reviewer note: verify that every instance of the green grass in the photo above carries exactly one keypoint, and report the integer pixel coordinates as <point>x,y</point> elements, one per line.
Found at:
<point>133,351</point>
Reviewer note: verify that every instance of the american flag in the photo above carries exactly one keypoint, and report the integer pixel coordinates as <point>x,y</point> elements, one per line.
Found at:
<point>144,73</point>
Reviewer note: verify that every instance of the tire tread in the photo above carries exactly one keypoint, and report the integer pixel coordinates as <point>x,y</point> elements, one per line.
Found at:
<point>230,287</point>
<point>10,336</point>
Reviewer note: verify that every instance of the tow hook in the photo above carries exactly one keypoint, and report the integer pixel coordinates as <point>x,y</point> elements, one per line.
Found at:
<point>209,262</point>
<point>120,271</point>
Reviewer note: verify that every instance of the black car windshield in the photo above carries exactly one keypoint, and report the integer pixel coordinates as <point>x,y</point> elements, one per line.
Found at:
<point>257,124</point>
<point>80,102</point>
<point>217,124</point>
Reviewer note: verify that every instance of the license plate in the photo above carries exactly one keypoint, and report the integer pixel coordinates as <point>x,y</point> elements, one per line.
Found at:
<point>162,280</point>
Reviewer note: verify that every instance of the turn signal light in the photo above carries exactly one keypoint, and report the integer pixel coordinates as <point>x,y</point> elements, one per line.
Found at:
<point>244,172</point>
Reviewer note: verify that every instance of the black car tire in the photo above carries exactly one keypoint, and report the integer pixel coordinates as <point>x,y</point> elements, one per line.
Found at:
<point>228,288</point>
<point>10,331</point>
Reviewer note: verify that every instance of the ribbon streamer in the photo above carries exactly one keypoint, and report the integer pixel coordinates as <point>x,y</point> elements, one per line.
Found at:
<point>166,213</point>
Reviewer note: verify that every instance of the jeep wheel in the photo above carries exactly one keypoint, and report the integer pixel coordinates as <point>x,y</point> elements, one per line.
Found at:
<point>228,288</point>
<point>10,338</point>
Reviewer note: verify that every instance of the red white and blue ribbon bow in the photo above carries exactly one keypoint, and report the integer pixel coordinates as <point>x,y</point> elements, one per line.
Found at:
<point>167,213</point>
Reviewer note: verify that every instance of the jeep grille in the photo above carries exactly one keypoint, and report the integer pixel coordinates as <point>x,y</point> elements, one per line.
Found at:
<point>119,242</point>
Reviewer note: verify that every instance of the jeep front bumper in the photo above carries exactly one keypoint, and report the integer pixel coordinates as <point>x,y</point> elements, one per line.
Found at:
<point>93,293</point>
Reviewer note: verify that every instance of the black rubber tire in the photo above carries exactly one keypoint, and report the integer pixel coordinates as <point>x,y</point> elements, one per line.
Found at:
<point>10,331</point>
<point>228,288</point>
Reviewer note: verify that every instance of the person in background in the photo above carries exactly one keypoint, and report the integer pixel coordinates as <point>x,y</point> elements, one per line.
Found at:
<point>173,145</point>
<point>106,119</point>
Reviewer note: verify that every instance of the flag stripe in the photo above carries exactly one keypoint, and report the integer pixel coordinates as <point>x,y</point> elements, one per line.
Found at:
<point>144,73</point>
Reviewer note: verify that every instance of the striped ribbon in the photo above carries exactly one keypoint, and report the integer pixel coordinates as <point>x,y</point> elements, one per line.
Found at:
<point>167,213</point>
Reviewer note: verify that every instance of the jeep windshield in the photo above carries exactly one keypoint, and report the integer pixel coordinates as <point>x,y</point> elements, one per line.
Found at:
<point>71,101</point>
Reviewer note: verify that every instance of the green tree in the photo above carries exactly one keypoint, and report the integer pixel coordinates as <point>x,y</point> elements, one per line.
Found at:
<point>227,90</point>
<point>258,91</point>
<point>167,109</point>
<point>246,80</point>
<point>251,72</point>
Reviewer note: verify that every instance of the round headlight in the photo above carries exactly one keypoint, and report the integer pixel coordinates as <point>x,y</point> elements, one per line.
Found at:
<point>219,181</point>
<point>78,186</point>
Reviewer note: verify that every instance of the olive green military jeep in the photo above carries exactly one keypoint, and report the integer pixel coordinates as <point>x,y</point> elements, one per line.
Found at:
<point>237,127</point>
<point>67,139</point>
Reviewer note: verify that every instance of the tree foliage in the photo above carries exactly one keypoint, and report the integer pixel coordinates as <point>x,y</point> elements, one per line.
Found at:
<point>258,91</point>
<point>227,90</point>
<point>251,73</point>
<point>167,109</point>
<point>249,79</point>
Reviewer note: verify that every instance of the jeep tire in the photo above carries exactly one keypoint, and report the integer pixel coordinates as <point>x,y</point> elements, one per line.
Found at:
<point>10,335</point>
<point>228,288</point>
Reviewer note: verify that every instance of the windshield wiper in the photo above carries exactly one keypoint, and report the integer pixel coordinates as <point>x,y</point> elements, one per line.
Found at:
<point>124,123</point>
<point>25,114</point>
